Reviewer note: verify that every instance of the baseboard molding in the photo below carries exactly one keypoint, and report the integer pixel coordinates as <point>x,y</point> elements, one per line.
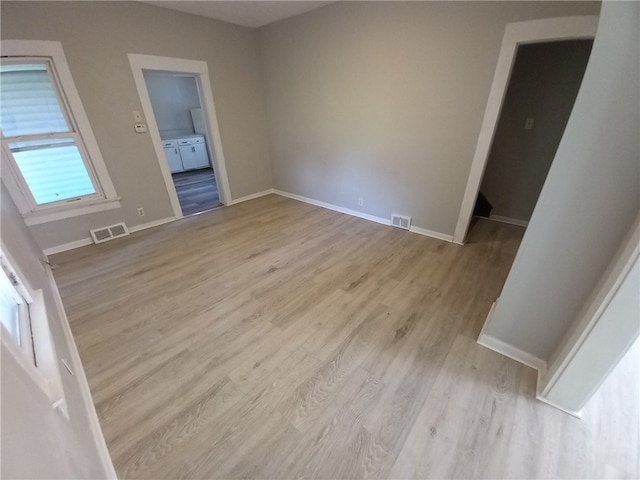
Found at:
<point>335,208</point>
<point>509,220</point>
<point>549,402</point>
<point>431,233</point>
<point>507,349</point>
<point>512,352</point>
<point>83,384</point>
<point>365,216</point>
<point>251,197</point>
<point>83,242</point>
<point>383,221</point>
<point>521,356</point>
<point>155,223</point>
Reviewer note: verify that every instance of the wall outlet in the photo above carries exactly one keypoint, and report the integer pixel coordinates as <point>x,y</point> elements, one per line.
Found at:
<point>360,201</point>
<point>140,128</point>
<point>141,212</point>
<point>528,125</point>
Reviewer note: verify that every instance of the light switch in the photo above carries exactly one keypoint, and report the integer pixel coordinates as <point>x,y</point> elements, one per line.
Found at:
<point>137,116</point>
<point>140,128</point>
<point>528,125</point>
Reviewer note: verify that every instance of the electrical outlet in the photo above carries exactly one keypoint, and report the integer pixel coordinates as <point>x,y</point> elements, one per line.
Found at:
<point>141,212</point>
<point>360,201</point>
<point>528,125</point>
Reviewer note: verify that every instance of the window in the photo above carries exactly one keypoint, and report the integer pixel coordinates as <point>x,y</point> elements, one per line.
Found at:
<point>25,332</point>
<point>15,315</point>
<point>54,165</point>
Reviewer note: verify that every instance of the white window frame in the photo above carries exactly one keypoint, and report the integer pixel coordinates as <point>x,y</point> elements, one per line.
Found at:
<point>106,197</point>
<point>24,301</point>
<point>44,371</point>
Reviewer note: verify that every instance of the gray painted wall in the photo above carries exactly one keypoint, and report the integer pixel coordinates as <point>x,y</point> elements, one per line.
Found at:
<point>37,441</point>
<point>384,100</point>
<point>589,200</point>
<point>544,84</point>
<point>172,98</point>
<point>96,37</point>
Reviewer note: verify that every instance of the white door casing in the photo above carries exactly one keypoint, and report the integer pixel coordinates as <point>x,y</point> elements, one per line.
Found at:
<point>519,33</point>
<point>200,71</point>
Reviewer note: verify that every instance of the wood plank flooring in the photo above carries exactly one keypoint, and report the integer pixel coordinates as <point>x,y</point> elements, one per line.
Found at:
<point>197,190</point>
<point>275,340</point>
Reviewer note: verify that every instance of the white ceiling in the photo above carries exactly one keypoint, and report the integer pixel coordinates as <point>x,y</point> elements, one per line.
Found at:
<point>246,13</point>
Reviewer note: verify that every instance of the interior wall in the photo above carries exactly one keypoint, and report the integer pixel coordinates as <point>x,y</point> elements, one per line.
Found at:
<point>589,200</point>
<point>96,37</point>
<point>37,441</point>
<point>384,100</point>
<point>544,84</point>
<point>172,98</point>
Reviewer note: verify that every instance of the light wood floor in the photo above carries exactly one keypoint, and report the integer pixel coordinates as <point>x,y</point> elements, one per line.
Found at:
<point>274,339</point>
<point>197,190</point>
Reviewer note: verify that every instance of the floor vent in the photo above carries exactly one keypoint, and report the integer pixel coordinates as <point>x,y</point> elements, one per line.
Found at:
<point>401,221</point>
<point>103,234</point>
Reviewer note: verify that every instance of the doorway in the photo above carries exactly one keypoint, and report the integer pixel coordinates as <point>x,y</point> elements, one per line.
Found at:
<point>178,113</point>
<point>540,95</point>
<point>196,159</point>
<point>515,35</point>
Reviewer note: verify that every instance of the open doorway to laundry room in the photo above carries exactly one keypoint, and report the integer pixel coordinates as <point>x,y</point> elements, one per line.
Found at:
<point>178,113</point>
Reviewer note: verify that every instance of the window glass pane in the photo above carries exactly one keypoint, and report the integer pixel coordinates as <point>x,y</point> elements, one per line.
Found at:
<point>53,169</point>
<point>9,307</point>
<point>29,102</point>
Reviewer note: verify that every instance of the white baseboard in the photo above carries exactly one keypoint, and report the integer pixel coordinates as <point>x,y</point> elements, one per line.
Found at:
<point>366,216</point>
<point>507,349</point>
<point>335,208</point>
<point>509,220</point>
<point>431,233</point>
<point>155,223</point>
<point>512,352</point>
<point>83,242</point>
<point>541,373</point>
<point>420,231</point>
<point>83,384</point>
<point>251,197</point>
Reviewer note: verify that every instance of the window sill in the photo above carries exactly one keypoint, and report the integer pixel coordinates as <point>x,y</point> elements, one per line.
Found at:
<point>53,214</point>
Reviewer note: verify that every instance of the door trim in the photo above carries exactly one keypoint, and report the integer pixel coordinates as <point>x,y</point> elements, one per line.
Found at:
<point>535,31</point>
<point>592,328</point>
<point>200,71</point>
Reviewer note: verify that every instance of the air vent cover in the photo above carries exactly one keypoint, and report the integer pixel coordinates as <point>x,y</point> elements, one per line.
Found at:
<point>103,234</point>
<point>401,221</point>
